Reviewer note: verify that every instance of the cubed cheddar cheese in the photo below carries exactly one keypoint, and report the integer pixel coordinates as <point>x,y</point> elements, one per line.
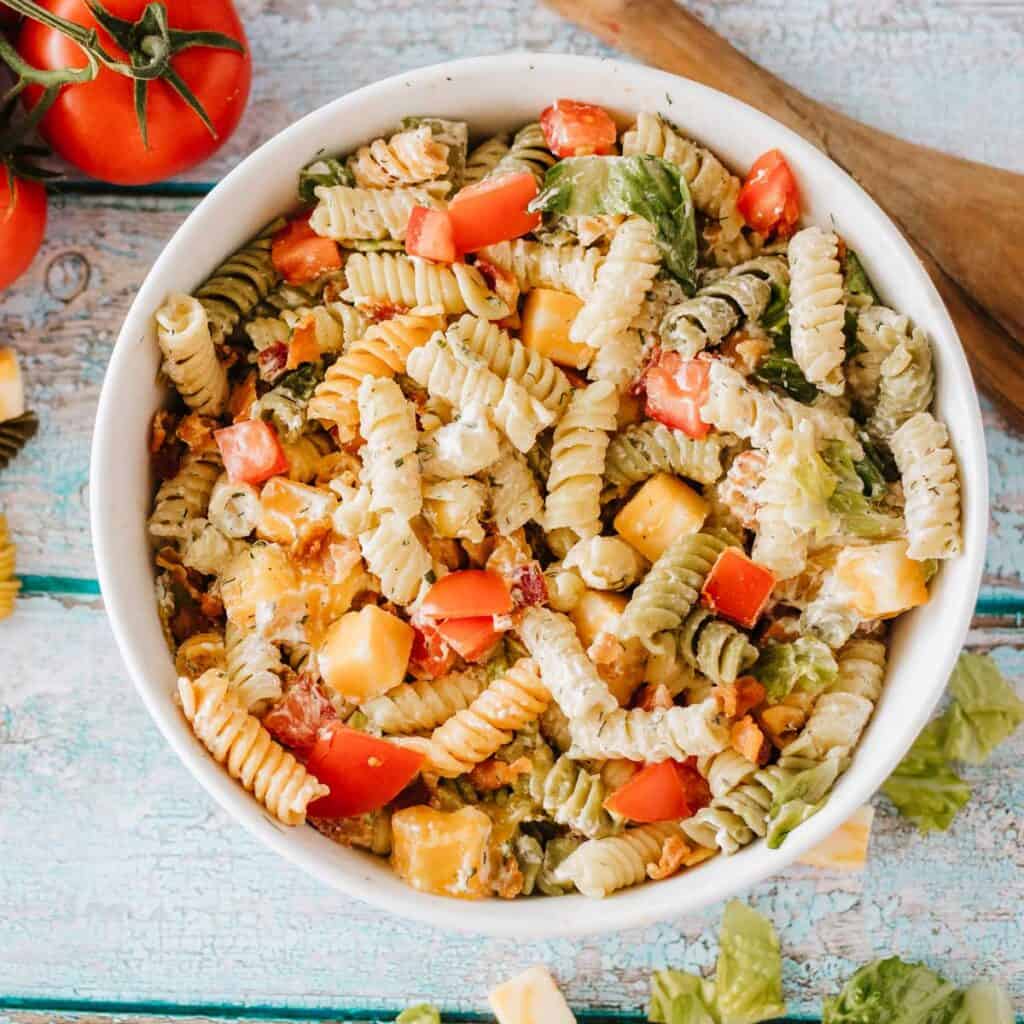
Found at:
<point>294,515</point>
<point>365,653</point>
<point>530,998</point>
<point>444,853</point>
<point>660,513</point>
<point>846,849</point>
<point>880,580</point>
<point>547,317</point>
<point>12,394</point>
<point>331,577</point>
<point>261,590</point>
<point>596,617</point>
<point>597,611</point>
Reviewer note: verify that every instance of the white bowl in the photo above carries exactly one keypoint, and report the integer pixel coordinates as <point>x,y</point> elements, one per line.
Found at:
<point>498,93</point>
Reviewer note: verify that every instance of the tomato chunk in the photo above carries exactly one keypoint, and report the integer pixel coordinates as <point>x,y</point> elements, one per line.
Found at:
<point>299,254</point>
<point>473,639</point>
<point>251,451</point>
<point>661,792</point>
<point>467,594</point>
<point>769,199</point>
<point>676,389</point>
<point>430,234</point>
<point>363,772</point>
<point>737,588</point>
<point>493,210</point>
<point>577,129</point>
<point>431,656</point>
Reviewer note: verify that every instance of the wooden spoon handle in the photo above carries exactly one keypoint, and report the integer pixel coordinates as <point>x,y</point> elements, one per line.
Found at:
<point>965,218</point>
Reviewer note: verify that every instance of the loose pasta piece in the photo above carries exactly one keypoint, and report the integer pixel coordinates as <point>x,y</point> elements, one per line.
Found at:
<point>565,268</point>
<point>381,352</point>
<point>15,433</point>
<point>396,556</point>
<point>190,359</point>
<point>425,704</point>
<point>394,279</point>
<point>238,741</point>
<point>930,487</point>
<point>9,585</point>
<point>185,496</point>
<point>644,449</point>
<point>620,287</point>
<point>461,378</point>
<point>817,310</point>
<point>515,496</point>
<point>344,213</point>
<point>577,460</point>
<point>602,866</point>
<point>606,563</point>
<point>511,702</point>
<point>391,466</point>
<point>407,158</point>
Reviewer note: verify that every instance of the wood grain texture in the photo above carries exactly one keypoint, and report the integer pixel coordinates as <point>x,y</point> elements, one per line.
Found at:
<point>122,881</point>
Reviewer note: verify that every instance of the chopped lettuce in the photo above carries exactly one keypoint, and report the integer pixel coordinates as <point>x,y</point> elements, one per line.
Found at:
<point>780,370</point>
<point>647,186</point>
<point>680,998</point>
<point>857,512</point>
<point>924,786</point>
<point>302,382</point>
<point>853,345</point>
<point>748,975</point>
<point>801,797</point>
<point>807,663</point>
<point>856,280</point>
<point>326,171</point>
<point>894,992</point>
<point>424,1013</point>
<point>775,318</point>
<point>986,709</point>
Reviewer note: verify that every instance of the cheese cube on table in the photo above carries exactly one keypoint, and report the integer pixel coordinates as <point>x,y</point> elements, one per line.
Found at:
<point>12,393</point>
<point>530,998</point>
<point>660,513</point>
<point>847,848</point>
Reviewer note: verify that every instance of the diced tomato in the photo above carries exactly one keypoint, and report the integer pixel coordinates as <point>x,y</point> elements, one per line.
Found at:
<point>473,639</point>
<point>676,389</point>
<point>363,772</point>
<point>431,656</point>
<point>493,210</point>
<point>299,715</point>
<point>430,235</point>
<point>660,792</point>
<point>299,254</point>
<point>251,451</point>
<point>304,347</point>
<point>466,594</point>
<point>577,129</point>
<point>737,588</point>
<point>769,199</point>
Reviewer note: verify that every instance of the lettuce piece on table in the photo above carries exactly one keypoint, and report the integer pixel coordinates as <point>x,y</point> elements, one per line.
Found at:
<point>748,975</point>
<point>986,709</point>
<point>680,998</point>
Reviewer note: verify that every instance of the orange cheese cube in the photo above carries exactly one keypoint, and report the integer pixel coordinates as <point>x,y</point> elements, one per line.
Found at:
<point>880,581</point>
<point>597,611</point>
<point>330,580</point>
<point>846,849</point>
<point>440,852</point>
<point>12,393</point>
<point>365,653</point>
<point>547,317</point>
<point>294,515</point>
<point>660,513</point>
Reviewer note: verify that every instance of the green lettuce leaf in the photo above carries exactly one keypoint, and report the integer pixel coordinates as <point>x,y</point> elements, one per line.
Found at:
<point>424,1013</point>
<point>893,992</point>
<point>780,370</point>
<point>800,798</point>
<point>855,278</point>
<point>985,1002</point>
<point>647,186</point>
<point>326,171</point>
<point>924,787</point>
<point>748,975</point>
<point>986,709</point>
<point>680,998</point>
<point>807,663</point>
<point>857,513</point>
<point>876,469</point>
<point>775,318</point>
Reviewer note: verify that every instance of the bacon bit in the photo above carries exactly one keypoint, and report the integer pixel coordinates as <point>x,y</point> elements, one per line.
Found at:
<point>189,620</point>
<point>620,665</point>
<point>695,786</point>
<point>272,361</point>
<point>360,832</point>
<point>299,714</point>
<point>431,655</point>
<point>419,791</point>
<point>781,723</point>
<point>508,882</point>
<point>746,738</point>
<point>243,394</point>
<point>492,774</point>
<point>196,432</point>
<point>738,698</point>
<point>745,351</point>
<point>383,311</point>
<point>162,427</point>
<point>510,323</point>
<point>304,346</point>
<point>528,585</point>
<point>166,462</point>
<point>192,582</point>
<point>783,629</point>
<point>650,697</point>
<point>673,858</point>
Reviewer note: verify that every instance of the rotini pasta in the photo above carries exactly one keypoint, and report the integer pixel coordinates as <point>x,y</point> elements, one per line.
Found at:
<point>254,668</point>
<point>397,557</point>
<point>190,359</point>
<point>716,648</point>
<point>484,158</point>
<point>528,153</point>
<point>344,213</point>
<point>606,563</point>
<point>425,704</point>
<point>571,795</point>
<point>643,449</point>
<point>407,158</point>
<point>9,585</point>
<point>390,464</point>
<point>568,268</point>
<point>185,496</point>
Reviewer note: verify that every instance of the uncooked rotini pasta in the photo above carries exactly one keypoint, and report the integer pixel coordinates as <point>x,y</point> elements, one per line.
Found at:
<point>537,510</point>
<point>620,286</point>
<point>817,311</point>
<point>9,585</point>
<point>190,359</point>
<point>238,741</point>
<point>930,486</point>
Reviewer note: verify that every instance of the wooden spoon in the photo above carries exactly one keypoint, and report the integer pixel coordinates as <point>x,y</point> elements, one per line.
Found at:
<point>964,219</point>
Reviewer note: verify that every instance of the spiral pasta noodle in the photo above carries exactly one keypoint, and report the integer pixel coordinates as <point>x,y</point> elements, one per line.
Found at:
<point>390,464</point>
<point>344,213</point>
<point>396,556</point>
<point>484,158</point>
<point>234,508</point>
<point>861,669</point>
<point>643,449</point>
<point>394,279</point>
<point>185,496</point>
<point>306,454</point>
<point>565,268</point>
<point>528,154</point>
<point>425,704</point>
<point>931,487</point>
<point>620,286</point>
<point>906,385</point>
<point>456,508</point>
<point>238,741</point>
<point>9,586</point>
<point>715,648</point>
<point>190,359</point>
<point>619,360</point>
<point>571,795</point>
<point>407,158</point>
<point>515,496</point>
<point>606,563</point>
<point>335,326</point>
<point>253,666</point>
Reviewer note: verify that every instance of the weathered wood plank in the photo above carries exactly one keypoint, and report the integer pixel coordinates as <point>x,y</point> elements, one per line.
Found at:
<point>121,881</point>
<point>64,316</point>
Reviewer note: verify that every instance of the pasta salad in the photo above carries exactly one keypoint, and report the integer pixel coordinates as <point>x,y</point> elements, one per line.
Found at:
<point>531,512</point>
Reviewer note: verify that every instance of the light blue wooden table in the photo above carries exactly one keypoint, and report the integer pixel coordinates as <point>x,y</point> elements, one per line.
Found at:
<point>124,891</point>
